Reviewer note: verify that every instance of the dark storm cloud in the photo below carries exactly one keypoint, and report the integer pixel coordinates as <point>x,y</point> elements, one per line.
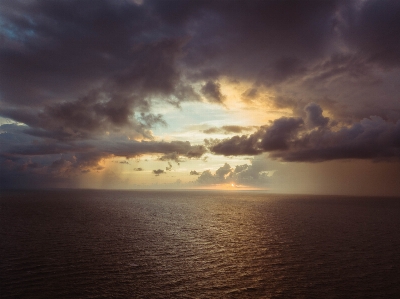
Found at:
<point>57,51</point>
<point>373,29</point>
<point>314,116</point>
<point>85,67</point>
<point>279,134</point>
<point>23,155</point>
<point>261,38</point>
<point>283,69</point>
<point>17,141</point>
<point>301,49</point>
<point>289,140</point>
<point>237,145</point>
<point>83,75</point>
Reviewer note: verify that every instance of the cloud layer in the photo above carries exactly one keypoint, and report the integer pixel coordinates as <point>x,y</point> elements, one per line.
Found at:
<point>81,80</point>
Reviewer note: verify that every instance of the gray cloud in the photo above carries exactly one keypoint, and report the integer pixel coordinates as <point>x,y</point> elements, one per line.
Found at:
<point>157,172</point>
<point>314,116</point>
<point>81,75</point>
<point>133,51</point>
<point>278,135</point>
<point>23,155</point>
<point>91,73</point>
<point>255,174</point>
<point>237,145</point>
<point>372,28</point>
<point>212,91</point>
<point>287,139</point>
<point>228,129</point>
<point>184,150</point>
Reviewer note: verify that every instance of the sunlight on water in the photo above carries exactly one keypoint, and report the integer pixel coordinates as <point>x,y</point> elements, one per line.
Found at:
<point>98,244</point>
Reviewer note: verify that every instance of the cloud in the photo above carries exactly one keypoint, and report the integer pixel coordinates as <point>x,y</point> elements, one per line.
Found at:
<point>194,172</point>
<point>237,145</point>
<point>212,91</point>
<point>372,27</point>
<point>288,139</point>
<point>130,53</point>
<point>250,94</point>
<point>278,135</point>
<point>172,157</point>
<point>157,172</point>
<point>24,155</point>
<point>228,129</point>
<point>92,73</point>
<point>16,141</point>
<point>184,150</point>
<point>314,116</point>
<point>85,79</point>
<point>255,174</point>
<point>138,169</point>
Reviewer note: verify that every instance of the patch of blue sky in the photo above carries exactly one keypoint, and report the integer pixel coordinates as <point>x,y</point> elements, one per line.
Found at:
<point>181,120</point>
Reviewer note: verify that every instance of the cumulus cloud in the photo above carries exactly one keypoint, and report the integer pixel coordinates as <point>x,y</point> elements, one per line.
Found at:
<point>194,172</point>
<point>255,174</point>
<point>237,145</point>
<point>314,116</point>
<point>288,139</point>
<point>280,133</point>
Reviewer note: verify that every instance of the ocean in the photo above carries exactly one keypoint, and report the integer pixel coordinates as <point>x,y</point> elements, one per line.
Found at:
<point>197,244</point>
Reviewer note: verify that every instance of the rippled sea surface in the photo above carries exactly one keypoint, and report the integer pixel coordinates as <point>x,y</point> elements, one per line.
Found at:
<point>198,244</point>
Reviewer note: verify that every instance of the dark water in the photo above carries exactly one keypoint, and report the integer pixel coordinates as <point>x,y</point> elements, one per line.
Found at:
<point>143,244</point>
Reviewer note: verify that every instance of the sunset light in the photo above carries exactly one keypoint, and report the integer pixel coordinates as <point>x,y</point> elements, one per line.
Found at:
<point>199,149</point>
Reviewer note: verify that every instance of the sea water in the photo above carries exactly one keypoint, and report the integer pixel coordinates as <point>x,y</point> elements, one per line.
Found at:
<point>197,244</point>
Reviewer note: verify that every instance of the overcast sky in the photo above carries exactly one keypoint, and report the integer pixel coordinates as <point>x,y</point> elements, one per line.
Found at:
<point>287,96</point>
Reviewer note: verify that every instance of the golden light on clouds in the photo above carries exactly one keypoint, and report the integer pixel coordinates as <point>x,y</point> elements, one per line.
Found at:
<point>249,104</point>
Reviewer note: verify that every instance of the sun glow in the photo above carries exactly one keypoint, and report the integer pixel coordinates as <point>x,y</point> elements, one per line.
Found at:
<point>257,109</point>
<point>229,187</point>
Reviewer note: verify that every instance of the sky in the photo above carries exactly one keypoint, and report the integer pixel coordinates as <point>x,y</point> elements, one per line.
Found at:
<point>278,95</point>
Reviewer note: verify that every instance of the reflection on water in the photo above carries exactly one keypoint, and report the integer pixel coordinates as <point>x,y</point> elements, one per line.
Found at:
<point>99,244</point>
